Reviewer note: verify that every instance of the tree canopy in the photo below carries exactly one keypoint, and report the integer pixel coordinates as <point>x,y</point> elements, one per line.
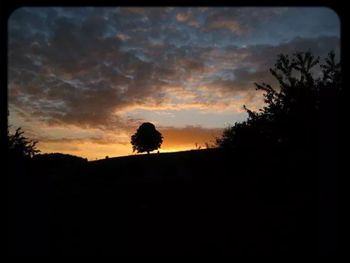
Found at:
<point>146,138</point>
<point>20,146</point>
<point>294,114</point>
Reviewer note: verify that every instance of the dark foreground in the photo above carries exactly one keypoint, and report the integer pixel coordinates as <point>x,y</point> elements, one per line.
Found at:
<point>188,203</point>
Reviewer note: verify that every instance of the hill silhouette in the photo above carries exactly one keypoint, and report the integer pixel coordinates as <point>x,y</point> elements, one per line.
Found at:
<point>185,203</point>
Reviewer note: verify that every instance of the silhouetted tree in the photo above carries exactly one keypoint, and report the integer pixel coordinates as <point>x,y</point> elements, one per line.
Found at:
<point>146,138</point>
<point>19,146</point>
<point>294,114</point>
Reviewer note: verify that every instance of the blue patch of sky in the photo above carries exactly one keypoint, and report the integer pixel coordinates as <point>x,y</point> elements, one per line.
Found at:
<point>296,22</point>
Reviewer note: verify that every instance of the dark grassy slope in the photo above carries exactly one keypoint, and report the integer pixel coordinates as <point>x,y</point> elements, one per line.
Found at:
<point>195,202</point>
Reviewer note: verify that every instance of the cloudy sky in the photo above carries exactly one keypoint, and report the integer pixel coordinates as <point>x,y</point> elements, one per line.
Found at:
<point>81,80</point>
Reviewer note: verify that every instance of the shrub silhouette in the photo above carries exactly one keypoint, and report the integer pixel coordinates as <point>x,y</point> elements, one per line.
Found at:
<point>294,114</point>
<point>19,146</point>
<point>146,138</point>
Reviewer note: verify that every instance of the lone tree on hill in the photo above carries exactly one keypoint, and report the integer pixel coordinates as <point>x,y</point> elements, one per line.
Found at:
<point>146,138</point>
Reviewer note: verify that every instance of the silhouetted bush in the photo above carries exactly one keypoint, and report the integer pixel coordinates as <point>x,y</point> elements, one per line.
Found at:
<point>294,115</point>
<point>20,146</point>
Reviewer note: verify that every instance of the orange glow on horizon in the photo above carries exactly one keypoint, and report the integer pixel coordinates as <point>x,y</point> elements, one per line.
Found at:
<point>93,150</point>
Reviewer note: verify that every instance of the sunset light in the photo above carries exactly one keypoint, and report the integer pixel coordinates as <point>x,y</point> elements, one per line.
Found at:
<point>81,80</point>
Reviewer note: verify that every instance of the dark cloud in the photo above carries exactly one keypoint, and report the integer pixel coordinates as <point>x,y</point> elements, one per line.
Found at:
<point>92,139</point>
<point>82,65</point>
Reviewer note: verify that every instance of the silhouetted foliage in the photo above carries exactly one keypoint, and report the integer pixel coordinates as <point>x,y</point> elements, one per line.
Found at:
<point>20,146</point>
<point>294,114</point>
<point>146,138</point>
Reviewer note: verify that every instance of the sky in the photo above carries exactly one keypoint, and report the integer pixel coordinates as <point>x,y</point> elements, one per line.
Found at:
<point>81,80</point>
